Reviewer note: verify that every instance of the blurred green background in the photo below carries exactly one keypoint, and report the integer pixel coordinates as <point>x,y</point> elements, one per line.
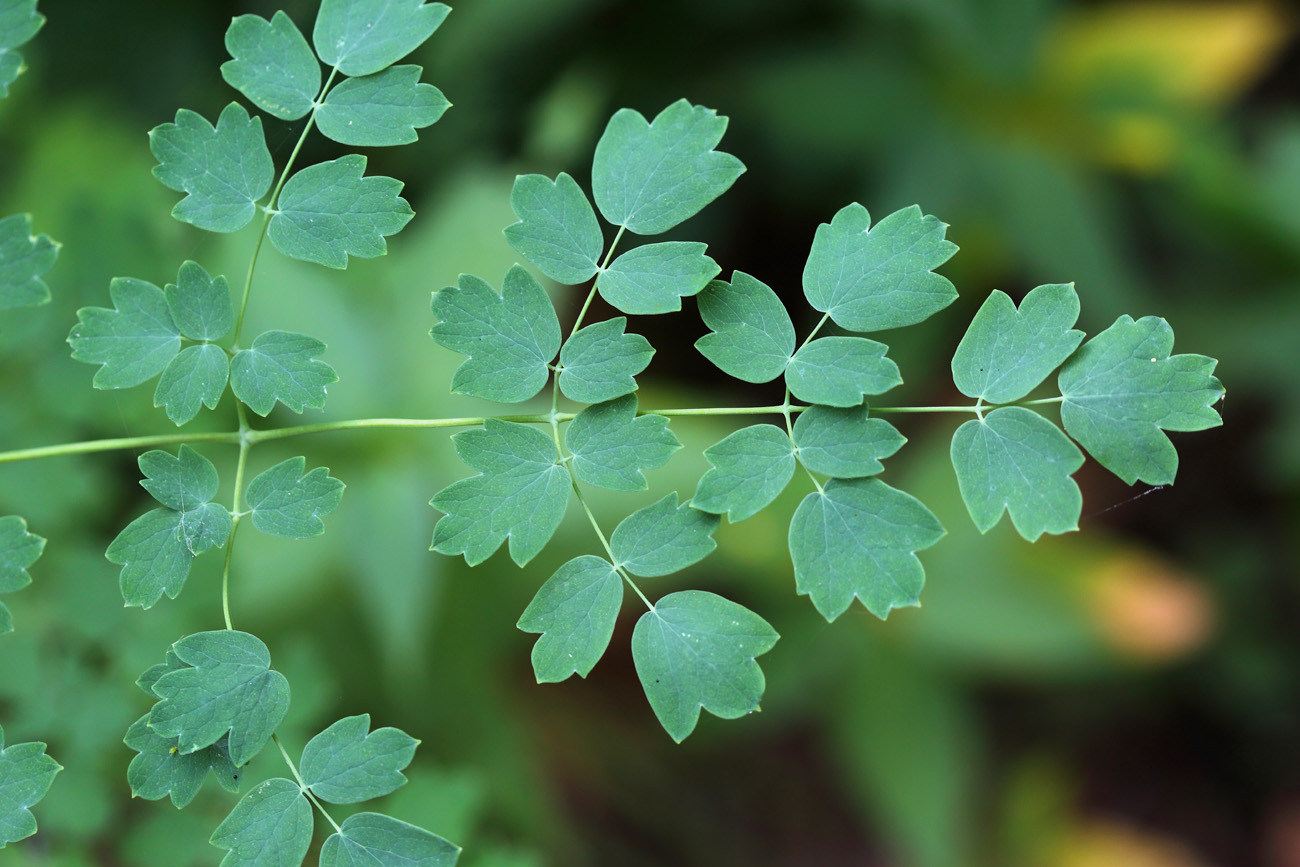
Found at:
<point>1127,695</point>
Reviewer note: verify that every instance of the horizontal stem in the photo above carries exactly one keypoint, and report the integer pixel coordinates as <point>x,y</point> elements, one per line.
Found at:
<point>118,444</point>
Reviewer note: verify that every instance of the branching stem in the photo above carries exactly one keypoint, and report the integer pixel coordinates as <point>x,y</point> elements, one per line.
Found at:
<point>306,791</point>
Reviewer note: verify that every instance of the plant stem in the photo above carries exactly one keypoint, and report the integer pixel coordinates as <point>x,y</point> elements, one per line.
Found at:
<point>306,791</point>
<point>117,444</point>
<point>236,509</point>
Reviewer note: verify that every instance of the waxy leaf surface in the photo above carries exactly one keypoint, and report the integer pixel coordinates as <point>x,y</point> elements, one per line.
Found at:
<point>869,278</point>
<point>1016,460</point>
<point>26,774</point>
<point>361,37</point>
<point>753,337</point>
<point>156,550</point>
<point>663,538</point>
<point>510,338</point>
<point>858,538</point>
<point>611,445</point>
<point>840,371</point>
<point>599,362</point>
<point>273,65</point>
<point>697,650</point>
<point>270,827</point>
<point>281,365</point>
<point>557,229</point>
<point>19,549</point>
<point>162,770</point>
<point>132,342</point>
<point>653,278</point>
<point>1122,389</point>
<point>844,443</point>
<point>288,502</point>
<point>200,304</point>
<point>520,494</point>
<point>381,110</point>
<point>19,22</point>
<point>347,763</point>
<point>194,378</point>
<point>223,170</point>
<point>652,176</point>
<point>376,840</point>
<point>751,468</point>
<point>183,481</point>
<point>1007,352</point>
<point>24,258</point>
<point>575,611</point>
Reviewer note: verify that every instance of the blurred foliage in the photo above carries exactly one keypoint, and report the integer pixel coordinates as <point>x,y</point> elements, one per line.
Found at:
<point>1129,695</point>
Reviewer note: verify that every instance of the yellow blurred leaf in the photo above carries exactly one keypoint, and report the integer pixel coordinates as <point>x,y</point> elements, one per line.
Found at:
<point>1147,609</point>
<point>1111,844</point>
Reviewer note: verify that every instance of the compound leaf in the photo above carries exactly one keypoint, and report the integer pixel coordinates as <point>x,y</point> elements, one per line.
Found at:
<point>281,365</point>
<point>1123,388</point>
<point>653,278</point>
<point>161,769</point>
<point>345,765</point>
<point>330,211</point>
<point>288,502</point>
<point>751,467</point>
<point>753,337</point>
<point>844,443</point>
<point>697,650</point>
<point>840,371</point>
<point>381,110</point>
<point>521,493</point>
<point>133,342</point>
<point>26,774</point>
<point>575,612</point>
<point>270,827</point>
<point>870,278</point>
<point>651,176</point>
<point>598,362</point>
<point>24,257</point>
<point>1015,460</point>
<point>196,377</point>
<point>182,482</point>
<point>376,840</point>
<point>227,686</point>
<point>19,549</point>
<point>223,170</point>
<point>611,445</point>
<point>156,550</point>
<point>1007,352</point>
<point>663,538</point>
<point>361,37</point>
<point>200,303</point>
<point>557,229</point>
<point>858,537</point>
<point>273,65</point>
<point>19,22</point>
<point>510,338</point>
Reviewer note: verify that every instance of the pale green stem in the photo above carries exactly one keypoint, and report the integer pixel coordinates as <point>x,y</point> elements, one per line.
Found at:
<point>236,509</point>
<point>595,525</point>
<point>306,791</point>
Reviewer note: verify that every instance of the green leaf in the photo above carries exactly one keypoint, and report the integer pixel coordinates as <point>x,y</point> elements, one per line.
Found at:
<point>161,770</point>
<point>197,377</point>
<point>663,538</point>
<point>844,443</point>
<point>858,538</point>
<point>653,278</point>
<point>1015,460</point>
<point>840,371</point>
<point>575,611</point>
<point>598,362</point>
<point>24,257</point>
<point>1122,388</point>
<point>329,211</point>
<point>227,686</point>
<point>870,278</point>
<point>361,37</point>
<point>697,650</point>
<point>345,765</point>
<point>376,840</point>
<point>381,110</point>
<point>751,467</point>
<point>557,229</point>
<point>223,170</point>
<point>281,365</point>
<point>520,494</point>
<point>26,774</point>
<point>133,342</point>
<point>200,304</point>
<point>510,338</point>
<point>11,66</point>
<point>753,337</point>
<point>270,827</point>
<point>611,445</point>
<point>151,675</point>
<point>156,549</point>
<point>652,176</point>
<point>19,22</point>
<point>182,482</point>
<point>273,65</point>
<point>288,502</point>
<point>19,549</point>
<point>1007,352</point>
